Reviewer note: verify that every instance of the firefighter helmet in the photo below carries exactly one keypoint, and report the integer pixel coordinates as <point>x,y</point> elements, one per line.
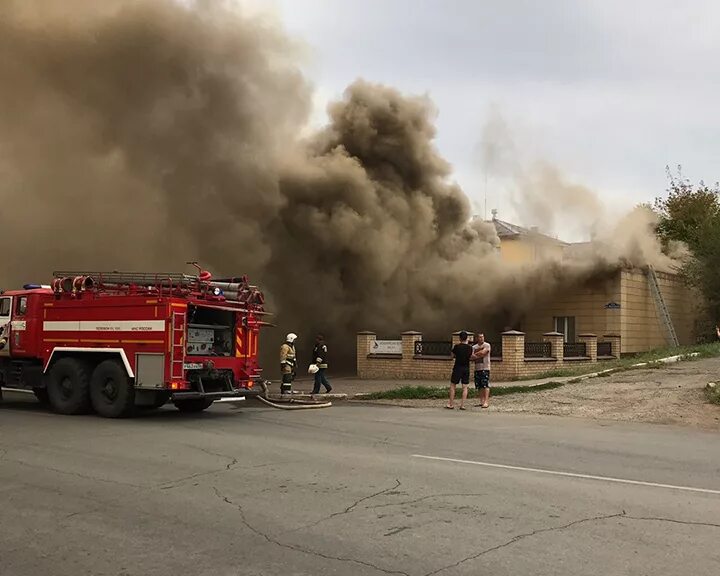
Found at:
<point>291,337</point>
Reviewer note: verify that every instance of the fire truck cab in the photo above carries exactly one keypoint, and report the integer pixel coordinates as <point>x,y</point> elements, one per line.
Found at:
<point>114,342</point>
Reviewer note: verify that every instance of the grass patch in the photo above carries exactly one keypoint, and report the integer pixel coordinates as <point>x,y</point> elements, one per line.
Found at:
<point>439,392</point>
<point>627,363</point>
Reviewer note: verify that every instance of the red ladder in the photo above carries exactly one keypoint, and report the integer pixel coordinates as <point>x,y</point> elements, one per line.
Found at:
<point>177,345</point>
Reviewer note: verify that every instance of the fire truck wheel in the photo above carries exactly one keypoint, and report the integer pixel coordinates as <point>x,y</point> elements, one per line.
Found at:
<point>111,391</point>
<point>194,405</point>
<point>67,387</point>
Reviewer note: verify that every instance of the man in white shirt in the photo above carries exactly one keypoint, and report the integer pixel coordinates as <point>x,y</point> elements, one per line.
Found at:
<point>481,357</point>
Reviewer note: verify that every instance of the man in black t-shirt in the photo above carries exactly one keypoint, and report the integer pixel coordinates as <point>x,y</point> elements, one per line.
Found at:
<point>461,370</point>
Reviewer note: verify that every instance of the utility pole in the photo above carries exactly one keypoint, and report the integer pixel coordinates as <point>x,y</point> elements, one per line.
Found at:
<point>485,211</point>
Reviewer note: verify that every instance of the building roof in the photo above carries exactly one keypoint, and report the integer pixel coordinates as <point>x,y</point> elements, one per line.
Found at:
<point>508,230</point>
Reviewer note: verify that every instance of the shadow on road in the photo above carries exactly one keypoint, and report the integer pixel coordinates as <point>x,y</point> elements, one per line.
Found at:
<point>22,402</point>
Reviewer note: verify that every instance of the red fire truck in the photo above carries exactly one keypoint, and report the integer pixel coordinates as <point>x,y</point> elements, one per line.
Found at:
<point>113,341</point>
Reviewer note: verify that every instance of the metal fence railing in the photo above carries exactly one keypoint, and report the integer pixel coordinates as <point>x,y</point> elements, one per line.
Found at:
<point>433,348</point>
<point>604,349</point>
<point>574,350</point>
<point>444,348</point>
<point>538,350</point>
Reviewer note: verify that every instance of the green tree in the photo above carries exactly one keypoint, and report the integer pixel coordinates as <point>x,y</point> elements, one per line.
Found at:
<point>686,210</point>
<point>690,213</point>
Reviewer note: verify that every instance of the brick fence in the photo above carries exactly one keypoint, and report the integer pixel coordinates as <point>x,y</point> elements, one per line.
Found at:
<point>514,358</point>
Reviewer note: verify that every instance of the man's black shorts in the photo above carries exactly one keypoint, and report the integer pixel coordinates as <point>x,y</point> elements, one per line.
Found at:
<point>482,379</point>
<point>460,374</point>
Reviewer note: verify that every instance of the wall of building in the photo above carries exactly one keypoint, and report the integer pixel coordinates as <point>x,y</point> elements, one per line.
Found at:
<point>515,250</point>
<point>586,304</point>
<point>641,328</point>
<point>636,320</point>
<point>520,250</point>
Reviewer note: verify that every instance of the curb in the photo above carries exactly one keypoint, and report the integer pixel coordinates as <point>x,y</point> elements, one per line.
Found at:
<point>652,363</point>
<point>303,396</point>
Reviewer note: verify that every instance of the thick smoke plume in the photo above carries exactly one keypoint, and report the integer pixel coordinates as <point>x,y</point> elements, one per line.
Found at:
<point>545,198</point>
<point>142,134</point>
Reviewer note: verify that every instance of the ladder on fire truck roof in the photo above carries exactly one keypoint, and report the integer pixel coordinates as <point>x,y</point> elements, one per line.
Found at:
<point>661,308</point>
<point>236,290</point>
<point>134,278</point>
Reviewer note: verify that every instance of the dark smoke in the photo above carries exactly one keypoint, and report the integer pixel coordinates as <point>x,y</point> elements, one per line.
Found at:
<point>142,134</point>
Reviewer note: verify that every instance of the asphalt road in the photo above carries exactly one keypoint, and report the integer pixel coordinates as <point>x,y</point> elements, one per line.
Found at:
<point>350,490</point>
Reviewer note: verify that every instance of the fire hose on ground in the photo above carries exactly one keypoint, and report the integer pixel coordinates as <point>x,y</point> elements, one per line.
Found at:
<point>293,404</point>
<point>289,403</point>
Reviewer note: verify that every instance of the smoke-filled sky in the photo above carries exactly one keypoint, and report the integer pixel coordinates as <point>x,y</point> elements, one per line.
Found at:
<point>140,134</point>
<point>609,90</point>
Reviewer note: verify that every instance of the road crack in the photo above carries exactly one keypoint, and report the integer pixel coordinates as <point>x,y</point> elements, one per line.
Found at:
<point>423,498</point>
<point>519,537</point>
<point>82,513</point>
<point>361,500</point>
<point>271,540</point>
<point>671,521</point>
<point>620,515</point>
<point>77,474</point>
<point>349,508</point>
<point>232,462</point>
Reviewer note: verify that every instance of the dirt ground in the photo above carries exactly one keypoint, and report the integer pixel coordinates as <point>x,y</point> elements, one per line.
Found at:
<point>668,395</point>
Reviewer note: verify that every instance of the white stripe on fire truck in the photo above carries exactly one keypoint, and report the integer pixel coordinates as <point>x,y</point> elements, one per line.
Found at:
<point>104,326</point>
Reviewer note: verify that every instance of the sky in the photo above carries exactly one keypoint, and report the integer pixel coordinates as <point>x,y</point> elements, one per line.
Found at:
<point>610,92</point>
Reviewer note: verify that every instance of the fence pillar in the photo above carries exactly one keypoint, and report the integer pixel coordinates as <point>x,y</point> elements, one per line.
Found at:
<point>556,339</point>
<point>590,341</point>
<point>408,350</point>
<point>614,340</point>
<point>513,352</point>
<point>365,341</point>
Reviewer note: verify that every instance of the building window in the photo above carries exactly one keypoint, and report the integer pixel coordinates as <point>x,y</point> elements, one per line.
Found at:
<point>566,326</point>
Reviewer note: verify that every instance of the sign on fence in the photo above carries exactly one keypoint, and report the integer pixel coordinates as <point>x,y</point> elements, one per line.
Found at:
<point>386,347</point>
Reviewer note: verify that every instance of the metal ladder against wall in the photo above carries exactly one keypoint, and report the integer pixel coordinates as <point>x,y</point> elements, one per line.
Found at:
<point>661,307</point>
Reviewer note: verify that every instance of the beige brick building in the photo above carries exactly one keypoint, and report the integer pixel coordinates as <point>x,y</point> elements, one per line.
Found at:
<point>620,304</point>
<point>611,315</point>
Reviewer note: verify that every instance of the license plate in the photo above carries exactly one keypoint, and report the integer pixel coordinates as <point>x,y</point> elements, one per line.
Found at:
<point>240,399</point>
<point>192,366</point>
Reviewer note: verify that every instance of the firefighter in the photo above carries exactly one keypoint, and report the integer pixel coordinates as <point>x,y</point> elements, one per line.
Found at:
<point>288,362</point>
<point>320,356</point>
